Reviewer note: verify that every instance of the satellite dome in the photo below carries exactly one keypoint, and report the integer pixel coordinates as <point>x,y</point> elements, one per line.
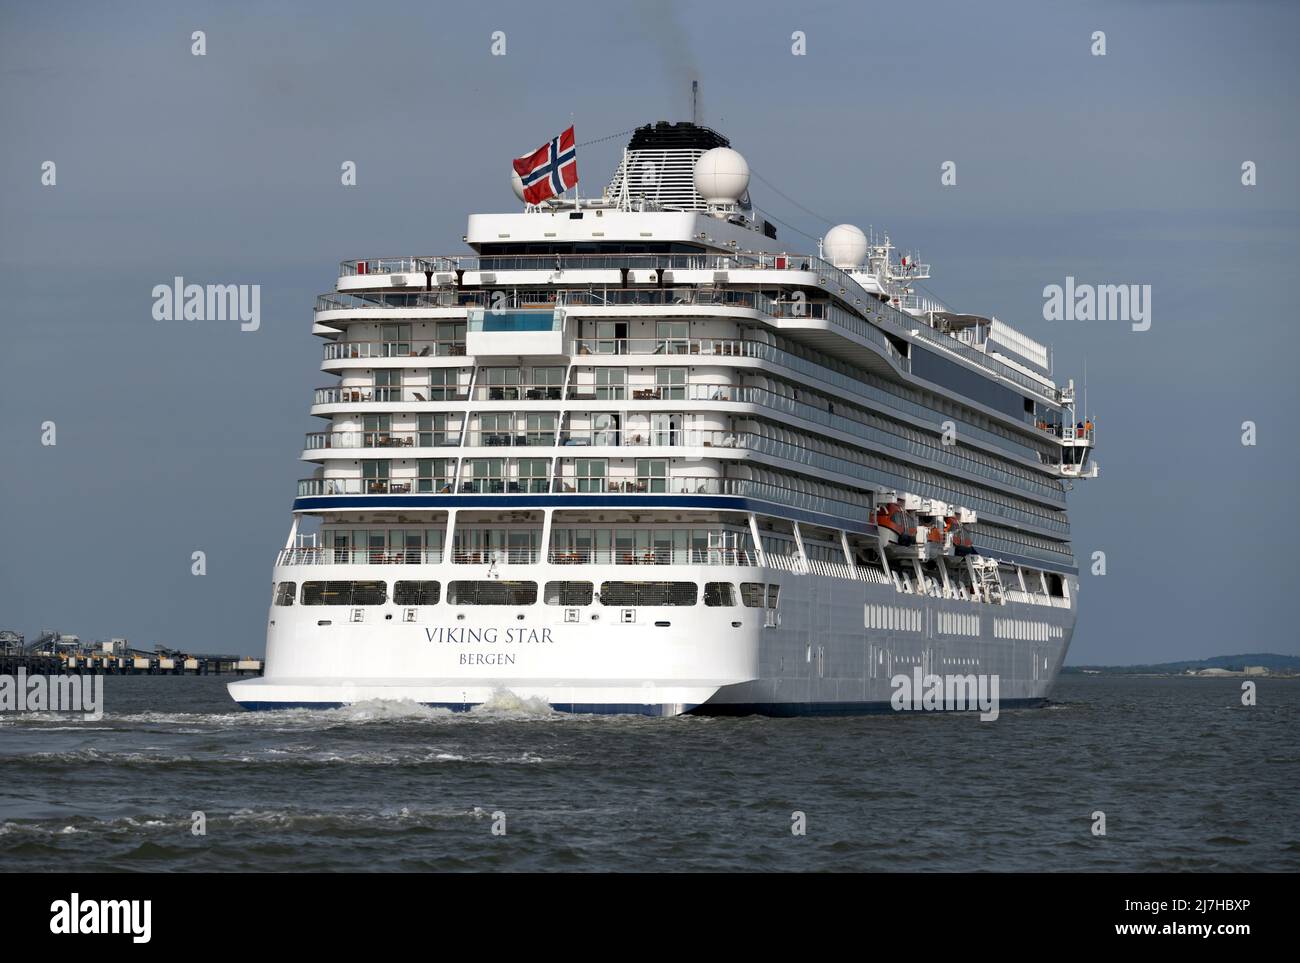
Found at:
<point>517,183</point>
<point>721,176</point>
<point>845,246</point>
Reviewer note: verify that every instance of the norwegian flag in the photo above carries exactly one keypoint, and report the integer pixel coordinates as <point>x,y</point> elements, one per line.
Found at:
<point>550,170</point>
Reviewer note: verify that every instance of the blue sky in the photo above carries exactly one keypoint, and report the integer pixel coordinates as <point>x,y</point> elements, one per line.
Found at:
<point>176,437</point>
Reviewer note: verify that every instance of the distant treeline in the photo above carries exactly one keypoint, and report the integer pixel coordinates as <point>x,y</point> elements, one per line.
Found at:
<point>1233,663</point>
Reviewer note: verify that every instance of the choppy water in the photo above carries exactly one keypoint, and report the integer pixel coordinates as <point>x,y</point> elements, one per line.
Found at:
<point>1188,778</point>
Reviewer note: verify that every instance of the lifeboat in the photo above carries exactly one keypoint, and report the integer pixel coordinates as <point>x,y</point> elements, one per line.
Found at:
<point>961,540</point>
<point>896,527</point>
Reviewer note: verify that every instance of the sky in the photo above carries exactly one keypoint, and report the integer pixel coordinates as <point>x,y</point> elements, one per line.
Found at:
<point>174,437</point>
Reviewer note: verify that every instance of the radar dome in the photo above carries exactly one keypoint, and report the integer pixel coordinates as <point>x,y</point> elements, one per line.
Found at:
<point>721,176</point>
<point>845,246</point>
<point>517,183</point>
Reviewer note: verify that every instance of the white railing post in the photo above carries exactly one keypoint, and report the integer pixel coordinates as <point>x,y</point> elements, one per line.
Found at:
<point>848,555</point>
<point>759,554</point>
<point>803,556</point>
<point>547,515</point>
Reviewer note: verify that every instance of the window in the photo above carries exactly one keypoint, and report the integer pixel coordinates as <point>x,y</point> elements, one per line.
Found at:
<point>375,476</point>
<point>569,593</point>
<point>591,474</point>
<point>673,337</point>
<point>388,384</point>
<point>719,594</point>
<point>652,475</point>
<point>648,593</point>
<point>502,383</point>
<point>611,384</point>
<point>534,474</point>
<point>751,594</point>
<point>444,384</point>
<point>772,591</point>
<point>671,383</point>
<point>539,428</point>
<point>485,475</point>
<point>547,383</point>
<point>344,593</point>
<point>376,430</point>
<point>496,428</point>
<point>485,545</point>
<point>611,337</point>
<point>492,593</point>
<point>416,593</point>
<point>396,338</point>
<point>450,337</point>
<point>284,593</point>
<point>435,475</point>
<point>604,428</point>
<point>408,545</point>
<point>434,432</point>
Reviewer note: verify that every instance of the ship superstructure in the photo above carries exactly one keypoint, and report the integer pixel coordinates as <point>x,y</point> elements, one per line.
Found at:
<point>636,453</point>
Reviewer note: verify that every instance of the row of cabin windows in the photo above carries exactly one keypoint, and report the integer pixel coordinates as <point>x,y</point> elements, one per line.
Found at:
<point>451,384</point>
<point>498,592</point>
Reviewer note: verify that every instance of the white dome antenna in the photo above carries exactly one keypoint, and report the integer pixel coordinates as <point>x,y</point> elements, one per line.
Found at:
<point>845,246</point>
<point>517,183</point>
<point>721,176</point>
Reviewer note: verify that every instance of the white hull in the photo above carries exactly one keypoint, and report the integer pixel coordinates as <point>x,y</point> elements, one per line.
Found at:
<point>820,656</point>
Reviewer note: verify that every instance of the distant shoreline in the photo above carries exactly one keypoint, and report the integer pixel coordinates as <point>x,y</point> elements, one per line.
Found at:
<point>1245,666</point>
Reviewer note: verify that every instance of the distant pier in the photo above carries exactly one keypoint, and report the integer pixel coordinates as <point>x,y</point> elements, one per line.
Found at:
<point>54,653</point>
<point>93,664</point>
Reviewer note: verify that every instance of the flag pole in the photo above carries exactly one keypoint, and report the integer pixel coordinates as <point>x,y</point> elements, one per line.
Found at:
<point>576,204</point>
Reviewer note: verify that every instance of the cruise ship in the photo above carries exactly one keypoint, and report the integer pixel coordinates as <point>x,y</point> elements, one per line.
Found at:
<point>642,453</point>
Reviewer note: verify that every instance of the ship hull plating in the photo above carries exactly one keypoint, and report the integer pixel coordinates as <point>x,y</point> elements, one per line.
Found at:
<point>832,646</point>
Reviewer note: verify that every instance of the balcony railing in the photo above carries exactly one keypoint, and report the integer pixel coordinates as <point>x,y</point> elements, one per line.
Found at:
<point>590,296</point>
<point>780,404</point>
<point>653,556</point>
<point>575,262</point>
<point>325,440</point>
<point>385,394</point>
<point>507,439</point>
<point>831,277</point>
<point>359,556</point>
<point>660,346</point>
<point>518,392</point>
<point>366,350</point>
<point>610,556</point>
<point>647,486</point>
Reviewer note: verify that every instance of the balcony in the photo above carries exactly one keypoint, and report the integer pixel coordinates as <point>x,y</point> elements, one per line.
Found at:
<point>518,392</point>
<point>358,556</point>
<point>385,394</point>
<point>377,350</point>
<point>506,439</point>
<point>830,277</point>
<point>660,346</point>
<point>648,487</point>
<point>574,262</point>
<point>328,440</point>
<point>654,556</point>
